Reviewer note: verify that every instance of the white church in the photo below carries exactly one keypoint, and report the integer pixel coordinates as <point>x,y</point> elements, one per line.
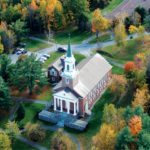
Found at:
<point>82,85</point>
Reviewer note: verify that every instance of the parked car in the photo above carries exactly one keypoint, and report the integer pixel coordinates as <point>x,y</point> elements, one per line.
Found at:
<point>19,52</point>
<point>42,59</point>
<point>61,49</point>
<point>46,55</point>
<point>24,51</point>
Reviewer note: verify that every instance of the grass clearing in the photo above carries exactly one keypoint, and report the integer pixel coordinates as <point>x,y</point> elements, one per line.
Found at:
<point>56,55</point>
<point>112,5</point>
<point>76,36</point>
<point>103,38</point>
<point>126,53</point>
<point>117,70</point>
<point>33,45</point>
<point>31,113</point>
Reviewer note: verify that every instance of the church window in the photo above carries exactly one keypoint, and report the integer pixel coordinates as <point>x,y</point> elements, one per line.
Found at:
<point>67,67</point>
<point>67,81</point>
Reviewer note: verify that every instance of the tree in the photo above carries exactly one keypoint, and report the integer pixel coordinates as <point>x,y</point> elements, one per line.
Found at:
<point>147,22</point>
<point>20,113</point>
<point>5,143</point>
<point>141,97</point>
<point>7,37</point>
<point>99,23</point>
<point>124,139</point>
<point>120,34</point>
<point>28,74</point>
<point>113,116</point>
<point>142,12</point>
<point>135,125</point>
<point>5,67</point>
<point>118,86</point>
<point>18,28</point>
<point>105,139</point>
<point>129,68</point>
<point>133,29</point>
<point>5,101</point>
<point>34,132</point>
<point>12,130</point>
<point>62,142</point>
<point>1,46</point>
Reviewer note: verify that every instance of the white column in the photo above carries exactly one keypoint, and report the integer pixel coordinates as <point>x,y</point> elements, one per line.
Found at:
<point>77,106</point>
<point>68,107</point>
<point>54,104</point>
<point>74,109</point>
<point>61,105</point>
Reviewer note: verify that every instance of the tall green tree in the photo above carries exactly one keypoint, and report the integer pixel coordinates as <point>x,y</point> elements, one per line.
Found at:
<point>147,22</point>
<point>5,100</point>
<point>28,73</point>
<point>19,29</point>
<point>5,67</point>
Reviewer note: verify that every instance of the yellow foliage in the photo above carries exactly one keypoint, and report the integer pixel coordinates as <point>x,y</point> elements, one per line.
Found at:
<point>141,97</point>
<point>33,5</point>
<point>1,47</point>
<point>5,143</point>
<point>99,23</point>
<point>105,139</point>
<point>133,29</point>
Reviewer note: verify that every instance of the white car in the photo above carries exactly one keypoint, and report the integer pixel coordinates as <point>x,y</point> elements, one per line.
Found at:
<point>44,58</point>
<point>46,55</point>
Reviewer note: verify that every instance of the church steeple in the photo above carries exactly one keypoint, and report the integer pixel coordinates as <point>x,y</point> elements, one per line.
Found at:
<point>69,74</point>
<point>69,51</point>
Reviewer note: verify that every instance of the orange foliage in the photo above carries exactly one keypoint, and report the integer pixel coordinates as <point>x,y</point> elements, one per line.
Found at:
<point>33,5</point>
<point>129,66</point>
<point>135,125</point>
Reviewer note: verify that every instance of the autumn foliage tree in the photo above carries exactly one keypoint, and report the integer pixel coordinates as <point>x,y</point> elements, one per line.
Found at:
<point>105,139</point>
<point>99,23</point>
<point>120,33</point>
<point>129,66</point>
<point>135,125</point>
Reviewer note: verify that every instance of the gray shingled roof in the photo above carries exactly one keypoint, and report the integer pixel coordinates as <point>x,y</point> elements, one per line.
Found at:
<point>91,71</point>
<point>58,64</point>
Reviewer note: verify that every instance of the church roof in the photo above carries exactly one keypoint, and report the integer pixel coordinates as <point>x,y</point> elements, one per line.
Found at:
<point>91,71</point>
<point>58,63</point>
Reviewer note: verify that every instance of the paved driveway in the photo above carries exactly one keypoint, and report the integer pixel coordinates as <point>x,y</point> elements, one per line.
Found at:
<point>128,6</point>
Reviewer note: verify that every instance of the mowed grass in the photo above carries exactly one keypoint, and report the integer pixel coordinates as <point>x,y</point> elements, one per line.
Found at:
<point>56,55</point>
<point>75,35</point>
<point>113,4</point>
<point>117,70</point>
<point>31,113</point>
<point>125,53</point>
<point>34,45</point>
<point>102,38</point>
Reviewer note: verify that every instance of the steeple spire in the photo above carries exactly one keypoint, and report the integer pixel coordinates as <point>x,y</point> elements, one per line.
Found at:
<point>69,51</point>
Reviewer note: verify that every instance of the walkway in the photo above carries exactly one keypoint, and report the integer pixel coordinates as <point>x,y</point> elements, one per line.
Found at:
<point>33,144</point>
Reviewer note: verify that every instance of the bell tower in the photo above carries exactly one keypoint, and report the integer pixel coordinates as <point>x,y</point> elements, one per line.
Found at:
<point>70,73</point>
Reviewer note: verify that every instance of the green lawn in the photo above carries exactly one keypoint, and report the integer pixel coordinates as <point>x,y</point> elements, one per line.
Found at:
<point>117,70</point>
<point>76,36</point>
<point>56,55</point>
<point>33,45</point>
<point>103,38</point>
<point>126,53</point>
<point>31,113</point>
<point>113,4</point>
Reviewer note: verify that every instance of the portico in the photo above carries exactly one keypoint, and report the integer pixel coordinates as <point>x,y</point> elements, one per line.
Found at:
<point>66,103</point>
